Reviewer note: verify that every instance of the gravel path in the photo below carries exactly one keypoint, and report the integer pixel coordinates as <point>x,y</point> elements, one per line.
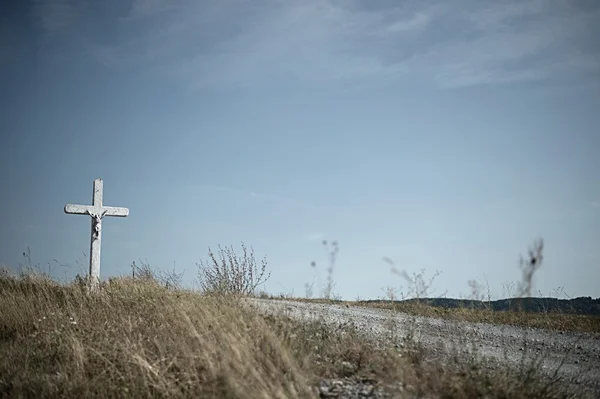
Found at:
<point>579,353</point>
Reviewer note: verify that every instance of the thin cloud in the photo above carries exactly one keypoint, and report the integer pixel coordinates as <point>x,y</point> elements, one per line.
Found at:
<point>517,42</point>
<point>255,195</point>
<point>147,8</point>
<point>595,204</point>
<point>231,44</point>
<point>54,15</point>
<point>417,21</point>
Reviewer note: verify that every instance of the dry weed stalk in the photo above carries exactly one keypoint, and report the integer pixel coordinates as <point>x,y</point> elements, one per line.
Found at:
<point>232,274</point>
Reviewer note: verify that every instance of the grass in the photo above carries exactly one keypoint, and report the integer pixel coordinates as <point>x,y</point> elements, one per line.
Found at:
<point>136,338</point>
<point>144,337</point>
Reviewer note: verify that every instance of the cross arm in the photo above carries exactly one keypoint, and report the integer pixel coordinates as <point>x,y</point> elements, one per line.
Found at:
<point>78,209</point>
<point>115,211</point>
<point>90,209</point>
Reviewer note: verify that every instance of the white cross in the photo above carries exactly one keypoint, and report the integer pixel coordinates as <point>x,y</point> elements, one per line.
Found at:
<point>97,212</point>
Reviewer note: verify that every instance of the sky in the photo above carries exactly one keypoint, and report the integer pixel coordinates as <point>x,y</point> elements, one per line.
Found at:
<point>445,136</point>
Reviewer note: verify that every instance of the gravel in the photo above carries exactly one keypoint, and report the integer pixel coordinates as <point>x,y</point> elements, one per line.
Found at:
<point>575,355</point>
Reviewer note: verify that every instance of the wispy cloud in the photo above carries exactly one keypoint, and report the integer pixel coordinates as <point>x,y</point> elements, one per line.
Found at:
<point>54,15</point>
<point>519,41</point>
<point>415,22</point>
<point>148,8</point>
<point>595,204</point>
<point>247,195</point>
<point>238,43</point>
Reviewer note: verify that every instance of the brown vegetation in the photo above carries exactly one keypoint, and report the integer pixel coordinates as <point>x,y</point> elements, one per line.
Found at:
<point>144,337</point>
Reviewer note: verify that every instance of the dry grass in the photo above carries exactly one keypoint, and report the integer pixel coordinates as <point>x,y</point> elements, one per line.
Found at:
<point>548,320</point>
<point>135,338</point>
<point>404,369</point>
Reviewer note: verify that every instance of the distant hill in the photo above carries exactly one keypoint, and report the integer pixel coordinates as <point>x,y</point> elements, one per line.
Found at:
<point>581,305</point>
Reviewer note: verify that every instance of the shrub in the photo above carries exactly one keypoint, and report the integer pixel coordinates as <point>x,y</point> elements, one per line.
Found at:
<point>231,274</point>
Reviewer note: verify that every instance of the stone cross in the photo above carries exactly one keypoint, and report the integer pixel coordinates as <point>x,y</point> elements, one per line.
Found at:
<point>97,212</point>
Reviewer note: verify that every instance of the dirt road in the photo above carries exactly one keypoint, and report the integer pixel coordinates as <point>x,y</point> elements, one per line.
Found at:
<point>575,355</point>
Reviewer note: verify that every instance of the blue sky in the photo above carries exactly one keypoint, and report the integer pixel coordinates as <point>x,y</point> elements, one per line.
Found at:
<point>444,135</point>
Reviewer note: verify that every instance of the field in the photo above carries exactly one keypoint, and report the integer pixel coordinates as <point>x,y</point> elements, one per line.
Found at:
<point>141,337</point>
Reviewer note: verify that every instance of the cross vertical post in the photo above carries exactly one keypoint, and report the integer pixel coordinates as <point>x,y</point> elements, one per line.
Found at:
<point>97,211</point>
<point>96,233</point>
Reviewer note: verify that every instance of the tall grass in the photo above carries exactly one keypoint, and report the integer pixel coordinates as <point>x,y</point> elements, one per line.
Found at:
<point>136,339</point>
<point>140,336</point>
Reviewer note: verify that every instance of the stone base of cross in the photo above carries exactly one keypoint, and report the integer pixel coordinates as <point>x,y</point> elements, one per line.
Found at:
<point>97,211</point>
